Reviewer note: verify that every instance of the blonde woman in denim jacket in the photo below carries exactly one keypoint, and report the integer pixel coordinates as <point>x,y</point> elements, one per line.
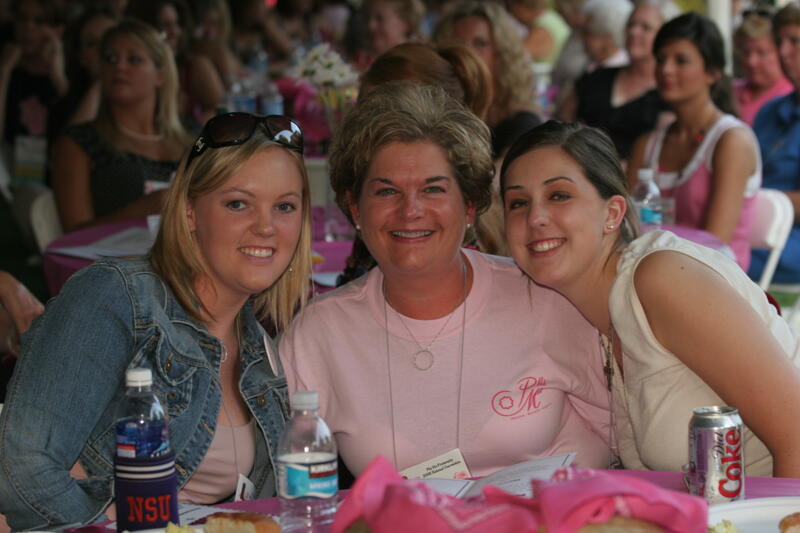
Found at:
<point>233,248</point>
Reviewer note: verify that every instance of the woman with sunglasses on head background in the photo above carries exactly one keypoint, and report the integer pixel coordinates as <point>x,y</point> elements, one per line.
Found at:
<point>233,249</point>
<point>439,348</point>
<point>115,167</point>
<point>681,325</point>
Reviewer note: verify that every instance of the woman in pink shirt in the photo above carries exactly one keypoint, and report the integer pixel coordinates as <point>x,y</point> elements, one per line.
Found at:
<point>439,349</point>
<point>763,78</point>
<point>707,159</point>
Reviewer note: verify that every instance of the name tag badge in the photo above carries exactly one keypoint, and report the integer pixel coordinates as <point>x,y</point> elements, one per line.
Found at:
<point>245,490</point>
<point>450,465</point>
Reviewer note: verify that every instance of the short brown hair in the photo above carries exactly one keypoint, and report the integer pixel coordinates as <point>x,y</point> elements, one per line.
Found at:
<point>408,112</point>
<point>455,68</point>
<point>788,15</point>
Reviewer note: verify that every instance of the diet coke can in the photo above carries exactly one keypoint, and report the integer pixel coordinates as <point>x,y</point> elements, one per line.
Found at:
<point>716,455</point>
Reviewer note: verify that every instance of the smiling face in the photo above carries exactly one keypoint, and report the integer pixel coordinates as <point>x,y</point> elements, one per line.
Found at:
<point>247,230</point>
<point>129,73</point>
<point>411,210</point>
<point>474,32</point>
<point>681,71</point>
<point>556,221</point>
<point>641,31</point>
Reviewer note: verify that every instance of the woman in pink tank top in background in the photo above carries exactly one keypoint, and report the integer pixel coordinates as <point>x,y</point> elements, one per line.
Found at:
<point>707,159</point>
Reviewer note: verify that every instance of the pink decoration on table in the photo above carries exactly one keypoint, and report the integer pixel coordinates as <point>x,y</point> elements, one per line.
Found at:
<point>574,497</point>
<point>309,113</point>
<point>565,503</point>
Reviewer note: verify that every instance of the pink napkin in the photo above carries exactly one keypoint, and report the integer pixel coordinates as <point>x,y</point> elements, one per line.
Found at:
<point>574,497</point>
<point>571,499</point>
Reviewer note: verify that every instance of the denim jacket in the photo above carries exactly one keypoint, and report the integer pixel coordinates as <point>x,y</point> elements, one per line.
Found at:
<point>61,403</point>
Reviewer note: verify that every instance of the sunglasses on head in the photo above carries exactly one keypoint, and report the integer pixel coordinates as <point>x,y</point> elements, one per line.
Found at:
<point>236,128</point>
<point>764,12</point>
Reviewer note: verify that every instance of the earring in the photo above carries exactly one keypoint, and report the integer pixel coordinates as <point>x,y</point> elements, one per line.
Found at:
<point>290,269</point>
<point>469,225</point>
<point>610,226</point>
<point>358,228</point>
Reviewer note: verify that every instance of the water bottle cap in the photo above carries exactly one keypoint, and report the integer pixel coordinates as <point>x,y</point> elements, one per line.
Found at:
<point>305,400</point>
<point>646,174</point>
<point>138,377</point>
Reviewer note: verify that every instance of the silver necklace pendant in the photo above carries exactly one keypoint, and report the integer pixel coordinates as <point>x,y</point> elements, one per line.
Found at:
<point>423,360</point>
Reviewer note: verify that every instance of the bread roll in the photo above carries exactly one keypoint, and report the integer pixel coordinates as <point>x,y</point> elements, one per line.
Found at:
<point>240,523</point>
<point>790,523</point>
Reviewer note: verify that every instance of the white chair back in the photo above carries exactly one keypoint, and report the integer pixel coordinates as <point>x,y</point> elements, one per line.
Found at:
<point>44,219</point>
<point>774,216</point>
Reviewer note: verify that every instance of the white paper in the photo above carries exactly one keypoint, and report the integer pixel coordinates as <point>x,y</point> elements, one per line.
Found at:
<point>130,242</point>
<point>326,279</point>
<point>515,479</point>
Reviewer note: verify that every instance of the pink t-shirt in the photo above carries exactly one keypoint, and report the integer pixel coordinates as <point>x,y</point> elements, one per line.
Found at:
<point>531,374</point>
<point>749,105</point>
<point>692,186</point>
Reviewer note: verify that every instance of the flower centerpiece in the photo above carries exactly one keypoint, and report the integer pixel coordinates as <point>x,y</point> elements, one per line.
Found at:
<point>333,80</point>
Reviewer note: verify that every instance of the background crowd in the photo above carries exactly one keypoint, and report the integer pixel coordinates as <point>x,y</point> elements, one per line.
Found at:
<point>101,102</point>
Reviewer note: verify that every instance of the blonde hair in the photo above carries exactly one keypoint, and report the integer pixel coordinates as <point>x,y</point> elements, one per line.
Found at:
<point>175,257</point>
<point>166,119</point>
<point>513,80</point>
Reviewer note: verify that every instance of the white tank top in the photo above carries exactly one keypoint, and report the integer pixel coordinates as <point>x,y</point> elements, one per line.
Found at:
<point>653,404</point>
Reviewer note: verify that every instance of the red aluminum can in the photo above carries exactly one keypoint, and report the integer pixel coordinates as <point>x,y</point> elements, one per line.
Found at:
<point>716,454</point>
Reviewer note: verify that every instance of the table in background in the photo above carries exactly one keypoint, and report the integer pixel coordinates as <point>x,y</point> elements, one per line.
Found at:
<point>696,235</point>
<point>58,267</point>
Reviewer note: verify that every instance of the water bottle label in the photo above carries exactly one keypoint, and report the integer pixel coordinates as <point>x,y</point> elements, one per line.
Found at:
<point>307,479</point>
<point>648,215</point>
<point>141,440</point>
<point>146,492</point>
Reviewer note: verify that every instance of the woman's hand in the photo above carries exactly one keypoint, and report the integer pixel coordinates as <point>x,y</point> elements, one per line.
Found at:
<point>22,307</point>
<point>53,57</point>
<point>9,58</point>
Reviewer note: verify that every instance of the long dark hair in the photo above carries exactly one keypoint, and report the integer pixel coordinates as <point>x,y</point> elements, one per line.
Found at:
<point>703,33</point>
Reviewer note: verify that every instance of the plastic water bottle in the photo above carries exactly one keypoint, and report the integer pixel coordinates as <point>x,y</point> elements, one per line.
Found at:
<point>308,477</point>
<point>145,484</point>
<point>271,99</point>
<point>647,197</point>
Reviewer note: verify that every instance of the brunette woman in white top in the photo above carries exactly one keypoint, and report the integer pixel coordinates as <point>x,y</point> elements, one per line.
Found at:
<point>681,325</point>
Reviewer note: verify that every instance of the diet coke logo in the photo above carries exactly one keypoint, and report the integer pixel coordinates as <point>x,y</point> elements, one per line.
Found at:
<point>731,485</point>
<point>523,401</point>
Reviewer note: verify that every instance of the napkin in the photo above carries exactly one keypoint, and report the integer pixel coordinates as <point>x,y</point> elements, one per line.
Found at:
<point>571,499</point>
<point>574,497</point>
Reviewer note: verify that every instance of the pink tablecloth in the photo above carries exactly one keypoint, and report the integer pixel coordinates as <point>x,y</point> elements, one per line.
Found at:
<point>58,268</point>
<point>695,235</point>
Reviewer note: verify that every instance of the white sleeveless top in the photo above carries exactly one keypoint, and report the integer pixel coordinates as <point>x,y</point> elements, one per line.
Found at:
<point>653,405</point>
<point>704,154</point>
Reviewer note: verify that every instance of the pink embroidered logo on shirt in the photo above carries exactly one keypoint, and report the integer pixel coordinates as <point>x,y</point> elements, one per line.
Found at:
<point>525,401</point>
